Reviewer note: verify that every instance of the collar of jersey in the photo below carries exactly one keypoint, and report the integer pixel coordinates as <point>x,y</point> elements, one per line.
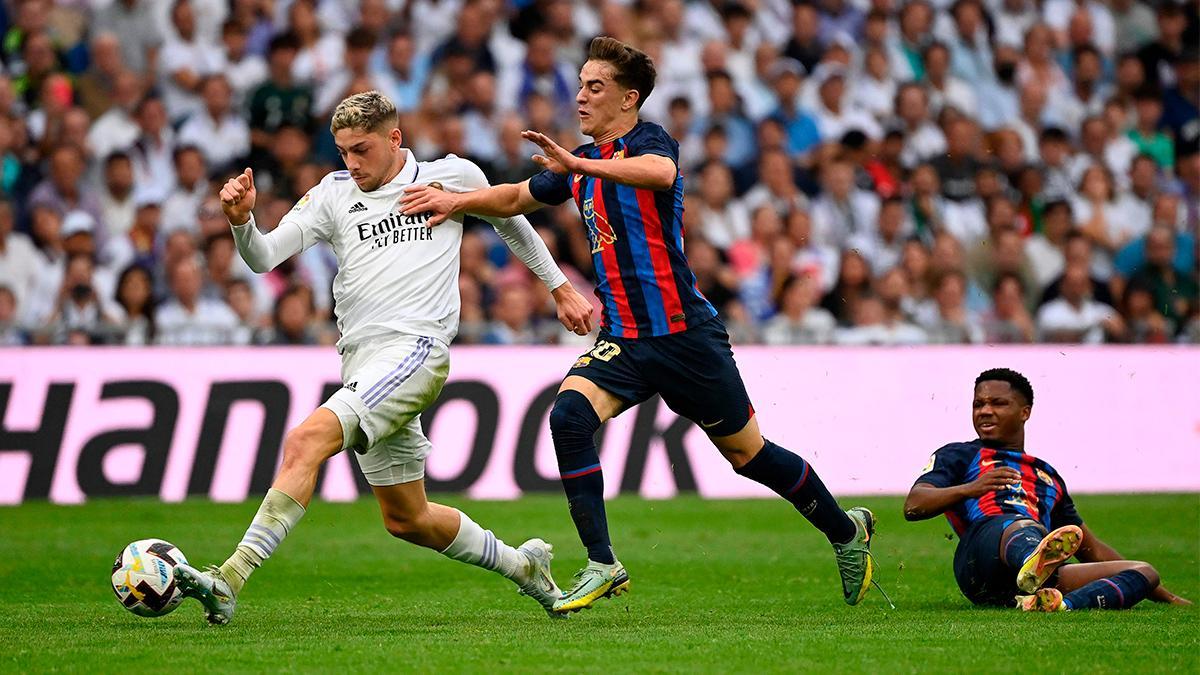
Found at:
<point>408,173</point>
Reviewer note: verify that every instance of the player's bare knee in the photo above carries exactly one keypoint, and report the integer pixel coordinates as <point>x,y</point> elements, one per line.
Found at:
<point>1147,570</point>
<point>303,448</point>
<point>407,526</point>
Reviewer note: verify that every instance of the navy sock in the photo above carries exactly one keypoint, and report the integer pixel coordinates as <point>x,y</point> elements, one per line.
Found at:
<point>1120,591</point>
<point>573,425</point>
<point>1021,544</point>
<point>794,480</point>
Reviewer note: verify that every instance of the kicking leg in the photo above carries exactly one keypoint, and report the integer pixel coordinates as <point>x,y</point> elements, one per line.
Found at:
<point>579,410</point>
<point>304,450</point>
<point>408,515</point>
<point>794,479</point>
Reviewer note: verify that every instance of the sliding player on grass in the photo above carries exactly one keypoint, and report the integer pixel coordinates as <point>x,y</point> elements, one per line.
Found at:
<point>397,304</point>
<point>1001,502</point>
<point>659,335</point>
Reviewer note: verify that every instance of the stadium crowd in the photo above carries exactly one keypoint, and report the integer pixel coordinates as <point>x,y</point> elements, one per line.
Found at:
<point>856,171</point>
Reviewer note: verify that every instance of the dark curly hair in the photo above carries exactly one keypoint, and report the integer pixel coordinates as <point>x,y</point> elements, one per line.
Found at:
<point>1017,381</point>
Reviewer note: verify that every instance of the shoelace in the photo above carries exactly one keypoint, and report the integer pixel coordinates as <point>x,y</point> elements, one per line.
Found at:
<point>875,583</point>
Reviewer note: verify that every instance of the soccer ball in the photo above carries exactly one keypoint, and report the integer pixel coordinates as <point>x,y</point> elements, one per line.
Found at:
<point>143,577</point>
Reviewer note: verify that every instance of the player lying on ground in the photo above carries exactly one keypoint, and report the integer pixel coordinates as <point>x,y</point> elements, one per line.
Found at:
<point>659,335</point>
<point>1001,503</point>
<point>397,304</point>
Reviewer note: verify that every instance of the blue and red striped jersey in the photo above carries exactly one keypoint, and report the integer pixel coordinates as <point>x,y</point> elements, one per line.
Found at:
<point>1041,496</point>
<point>643,280</point>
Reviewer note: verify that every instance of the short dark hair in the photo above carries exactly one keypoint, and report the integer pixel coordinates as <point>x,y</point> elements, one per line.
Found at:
<point>1017,381</point>
<point>632,68</point>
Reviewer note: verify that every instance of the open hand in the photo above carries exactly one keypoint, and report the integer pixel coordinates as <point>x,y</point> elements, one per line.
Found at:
<point>439,204</point>
<point>238,196</point>
<point>555,158</point>
<point>991,481</point>
<point>574,310</point>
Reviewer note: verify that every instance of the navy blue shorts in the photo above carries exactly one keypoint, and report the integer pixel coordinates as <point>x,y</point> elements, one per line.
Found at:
<point>983,577</point>
<point>693,371</point>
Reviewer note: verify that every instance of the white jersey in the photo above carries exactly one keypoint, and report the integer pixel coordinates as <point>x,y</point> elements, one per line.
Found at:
<point>395,274</point>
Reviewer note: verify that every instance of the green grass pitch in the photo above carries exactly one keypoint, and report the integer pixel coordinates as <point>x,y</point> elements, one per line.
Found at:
<point>717,587</point>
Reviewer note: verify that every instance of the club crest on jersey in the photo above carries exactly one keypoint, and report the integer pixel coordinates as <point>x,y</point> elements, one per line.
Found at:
<point>620,154</point>
<point>600,233</point>
<point>1045,477</point>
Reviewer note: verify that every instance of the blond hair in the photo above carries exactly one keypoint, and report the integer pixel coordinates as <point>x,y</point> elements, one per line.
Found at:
<point>368,111</point>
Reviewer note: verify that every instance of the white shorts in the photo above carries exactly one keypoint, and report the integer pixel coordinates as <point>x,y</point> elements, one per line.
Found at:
<point>386,388</point>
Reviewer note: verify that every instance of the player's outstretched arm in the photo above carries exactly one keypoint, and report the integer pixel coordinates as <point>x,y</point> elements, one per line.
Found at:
<point>652,172</point>
<point>1093,549</point>
<point>498,201</point>
<point>925,501</point>
<point>262,252</point>
<point>574,311</point>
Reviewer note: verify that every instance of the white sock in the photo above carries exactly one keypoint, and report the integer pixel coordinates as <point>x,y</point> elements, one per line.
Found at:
<point>476,546</point>
<point>276,517</point>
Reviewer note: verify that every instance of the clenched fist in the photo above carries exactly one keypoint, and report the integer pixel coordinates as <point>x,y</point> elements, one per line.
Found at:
<point>238,196</point>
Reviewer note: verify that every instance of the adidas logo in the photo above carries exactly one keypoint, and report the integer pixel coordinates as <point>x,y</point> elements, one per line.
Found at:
<point>353,386</point>
<point>357,208</point>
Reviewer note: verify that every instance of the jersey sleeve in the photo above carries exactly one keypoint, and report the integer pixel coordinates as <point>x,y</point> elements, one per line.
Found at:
<point>517,233</point>
<point>654,140</point>
<point>550,188</point>
<point>946,467</point>
<point>312,214</point>
<point>1064,512</point>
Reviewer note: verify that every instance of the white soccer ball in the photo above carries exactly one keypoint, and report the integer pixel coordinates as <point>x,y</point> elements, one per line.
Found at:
<point>143,577</point>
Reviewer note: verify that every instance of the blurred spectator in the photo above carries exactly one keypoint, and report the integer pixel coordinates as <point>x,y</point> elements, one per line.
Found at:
<point>282,99</point>
<point>801,127</point>
<point>135,304</point>
<point>117,207</point>
<point>1079,251</point>
<point>1046,249</point>
<point>153,151</point>
<point>220,133</point>
<point>244,69</point>
<point>842,210</point>
<point>883,247</point>
<point>1146,133</point>
<point>854,282</point>
<point>352,77</point>
<point>724,218</point>
<point>11,333</point>
<point>65,189</point>
<point>1008,321</point>
<point>292,322</point>
<point>19,264</point>
<point>1075,316</point>
<point>240,299</point>
<point>187,59</point>
<point>923,139</point>
<point>873,325</point>
<point>402,74</point>
<point>946,319</point>
<point>800,320</point>
<point>512,318</point>
<point>777,185</point>
<point>834,114</point>
<point>1175,292</point>
<point>186,318</point>
<point>181,208</point>
<point>134,22</point>
<point>116,129</point>
<point>80,315</point>
<point>1146,324</point>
